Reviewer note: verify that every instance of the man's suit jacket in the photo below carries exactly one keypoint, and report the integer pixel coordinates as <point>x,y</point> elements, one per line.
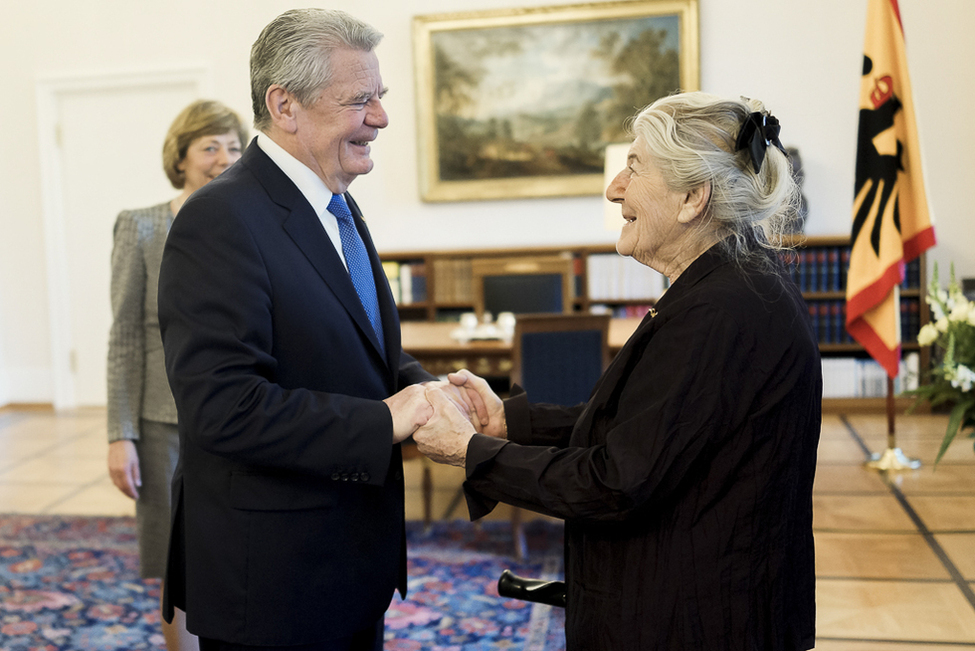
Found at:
<point>288,499</point>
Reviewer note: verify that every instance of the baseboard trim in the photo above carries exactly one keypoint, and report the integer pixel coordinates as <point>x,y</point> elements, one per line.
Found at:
<point>27,406</point>
<point>871,406</point>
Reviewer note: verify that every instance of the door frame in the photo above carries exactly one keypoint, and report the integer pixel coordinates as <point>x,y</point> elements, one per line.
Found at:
<point>49,91</point>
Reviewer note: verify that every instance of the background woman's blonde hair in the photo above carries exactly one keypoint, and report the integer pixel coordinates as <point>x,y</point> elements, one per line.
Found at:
<point>691,139</point>
<point>201,118</point>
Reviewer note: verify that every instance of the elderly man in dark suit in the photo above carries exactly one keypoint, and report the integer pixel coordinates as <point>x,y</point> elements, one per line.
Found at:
<point>283,352</point>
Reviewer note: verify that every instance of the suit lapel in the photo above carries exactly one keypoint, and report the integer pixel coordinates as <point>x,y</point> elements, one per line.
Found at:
<point>638,341</point>
<point>305,229</point>
<point>607,388</point>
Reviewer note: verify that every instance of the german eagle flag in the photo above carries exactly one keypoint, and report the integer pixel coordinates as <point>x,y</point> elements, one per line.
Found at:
<point>891,222</point>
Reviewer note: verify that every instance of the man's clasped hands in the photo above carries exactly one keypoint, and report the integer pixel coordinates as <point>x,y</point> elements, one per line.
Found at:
<point>442,416</point>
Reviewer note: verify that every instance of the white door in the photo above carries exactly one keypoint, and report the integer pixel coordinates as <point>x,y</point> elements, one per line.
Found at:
<point>109,140</point>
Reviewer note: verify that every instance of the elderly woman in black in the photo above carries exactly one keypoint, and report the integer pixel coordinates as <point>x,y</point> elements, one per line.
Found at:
<point>686,481</point>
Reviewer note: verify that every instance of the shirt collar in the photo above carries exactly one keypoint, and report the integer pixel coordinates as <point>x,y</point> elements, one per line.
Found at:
<point>308,183</point>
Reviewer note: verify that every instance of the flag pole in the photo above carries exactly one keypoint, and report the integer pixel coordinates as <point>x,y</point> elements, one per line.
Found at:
<point>892,458</point>
<point>891,221</point>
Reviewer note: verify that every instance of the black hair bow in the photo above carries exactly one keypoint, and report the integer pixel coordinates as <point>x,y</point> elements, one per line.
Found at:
<point>758,132</point>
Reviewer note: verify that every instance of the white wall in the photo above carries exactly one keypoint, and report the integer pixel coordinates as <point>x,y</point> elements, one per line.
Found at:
<point>802,58</point>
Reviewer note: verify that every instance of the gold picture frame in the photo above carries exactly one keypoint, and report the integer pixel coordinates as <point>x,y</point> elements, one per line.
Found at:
<point>520,102</point>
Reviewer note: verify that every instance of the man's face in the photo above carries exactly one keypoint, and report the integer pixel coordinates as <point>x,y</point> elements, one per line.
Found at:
<point>334,133</point>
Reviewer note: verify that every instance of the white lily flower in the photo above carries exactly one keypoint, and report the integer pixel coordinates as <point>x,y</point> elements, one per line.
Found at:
<point>960,311</point>
<point>928,335</point>
<point>963,378</point>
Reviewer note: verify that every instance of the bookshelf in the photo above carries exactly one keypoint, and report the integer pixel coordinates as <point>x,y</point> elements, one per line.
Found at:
<point>819,267</point>
<point>436,286</point>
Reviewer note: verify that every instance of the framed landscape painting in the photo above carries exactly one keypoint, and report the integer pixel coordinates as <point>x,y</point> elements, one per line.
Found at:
<point>522,103</point>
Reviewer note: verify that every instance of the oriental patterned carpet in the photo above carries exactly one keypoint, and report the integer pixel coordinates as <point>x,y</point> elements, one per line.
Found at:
<point>73,583</point>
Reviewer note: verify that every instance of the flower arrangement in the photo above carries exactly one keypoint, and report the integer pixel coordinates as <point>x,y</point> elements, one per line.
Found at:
<point>952,375</point>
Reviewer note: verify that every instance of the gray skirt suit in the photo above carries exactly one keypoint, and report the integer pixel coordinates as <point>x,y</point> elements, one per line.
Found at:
<point>140,403</point>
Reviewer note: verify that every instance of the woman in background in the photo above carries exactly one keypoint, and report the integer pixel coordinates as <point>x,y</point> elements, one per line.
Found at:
<point>203,141</point>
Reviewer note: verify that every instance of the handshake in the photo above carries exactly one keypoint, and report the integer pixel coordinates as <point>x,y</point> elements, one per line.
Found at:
<point>443,416</point>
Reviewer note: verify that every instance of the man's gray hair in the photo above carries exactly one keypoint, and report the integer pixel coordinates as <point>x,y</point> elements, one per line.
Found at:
<point>294,51</point>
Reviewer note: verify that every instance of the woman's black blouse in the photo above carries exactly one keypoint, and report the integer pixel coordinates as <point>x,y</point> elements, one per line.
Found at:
<point>686,480</point>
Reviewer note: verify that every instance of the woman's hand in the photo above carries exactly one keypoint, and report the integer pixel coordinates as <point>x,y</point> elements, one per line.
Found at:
<point>445,437</point>
<point>461,399</point>
<point>123,467</point>
<point>486,402</point>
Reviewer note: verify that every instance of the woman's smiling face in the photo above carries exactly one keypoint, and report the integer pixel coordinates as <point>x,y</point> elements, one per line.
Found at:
<point>650,209</point>
<point>207,157</point>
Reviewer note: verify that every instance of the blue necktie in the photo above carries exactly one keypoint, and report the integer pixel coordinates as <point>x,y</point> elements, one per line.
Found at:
<point>358,262</point>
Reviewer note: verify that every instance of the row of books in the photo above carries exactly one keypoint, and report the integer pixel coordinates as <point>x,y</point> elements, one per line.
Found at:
<point>407,280</point>
<point>828,319</point>
<point>852,377</point>
<point>824,269</point>
<point>614,277</point>
<point>610,277</point>
<point>819,269</point>
<point>452,281</point>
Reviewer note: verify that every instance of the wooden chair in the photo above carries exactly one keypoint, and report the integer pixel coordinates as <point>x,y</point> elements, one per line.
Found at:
<point>536,284</point>
<point>557,358</point>
<point>522,285</point>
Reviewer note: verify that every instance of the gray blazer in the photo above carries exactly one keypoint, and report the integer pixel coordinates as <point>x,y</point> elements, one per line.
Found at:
<point>137,383</point>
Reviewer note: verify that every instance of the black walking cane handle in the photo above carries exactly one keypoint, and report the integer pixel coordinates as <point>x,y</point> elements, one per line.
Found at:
<point>512,586</point>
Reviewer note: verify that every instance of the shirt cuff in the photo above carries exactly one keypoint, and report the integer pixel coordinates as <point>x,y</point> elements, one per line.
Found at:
<point>482,450</point>
<point>480,456</point>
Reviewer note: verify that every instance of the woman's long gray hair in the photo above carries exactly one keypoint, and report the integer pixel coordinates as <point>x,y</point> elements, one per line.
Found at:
<point>691,138</point>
